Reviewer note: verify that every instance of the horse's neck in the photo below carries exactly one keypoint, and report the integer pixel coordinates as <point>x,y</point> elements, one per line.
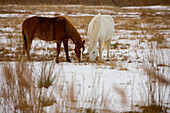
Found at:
<point>92,44</point>
<point>76,40</point>
<point>94,30</point>
<point>72,33</point>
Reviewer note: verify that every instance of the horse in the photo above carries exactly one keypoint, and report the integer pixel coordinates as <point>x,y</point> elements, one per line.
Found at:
<point>58,29</point>
<point>100,30</point>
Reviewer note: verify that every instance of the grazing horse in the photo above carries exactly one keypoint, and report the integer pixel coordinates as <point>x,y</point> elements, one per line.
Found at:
<point>100,29</point>
<point>59,29</point>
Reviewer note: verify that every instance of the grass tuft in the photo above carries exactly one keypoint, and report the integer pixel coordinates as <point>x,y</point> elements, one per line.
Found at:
<point>46,79</point>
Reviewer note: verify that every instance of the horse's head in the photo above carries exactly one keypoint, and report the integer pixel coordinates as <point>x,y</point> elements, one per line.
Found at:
<point>93,53</point>
<point>79,51</point>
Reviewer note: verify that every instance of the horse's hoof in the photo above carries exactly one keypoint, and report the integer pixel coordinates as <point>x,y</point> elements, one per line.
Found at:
<point>100,61</point>
<point>107,59</point>
<point>29,60</point>
<point>68,60</point>
<point>57,61</point>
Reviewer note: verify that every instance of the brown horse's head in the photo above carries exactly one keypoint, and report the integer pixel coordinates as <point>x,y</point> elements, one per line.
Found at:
<point>79,51</point>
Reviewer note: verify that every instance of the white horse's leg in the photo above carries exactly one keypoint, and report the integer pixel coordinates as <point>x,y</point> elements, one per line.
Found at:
<point>108,48</point>
<point>100,49</point>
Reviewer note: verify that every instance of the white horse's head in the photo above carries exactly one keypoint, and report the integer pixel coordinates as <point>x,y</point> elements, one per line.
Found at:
<point>93,53</point>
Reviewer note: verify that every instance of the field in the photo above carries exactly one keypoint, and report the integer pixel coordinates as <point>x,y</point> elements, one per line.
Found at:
<point>137,75</point>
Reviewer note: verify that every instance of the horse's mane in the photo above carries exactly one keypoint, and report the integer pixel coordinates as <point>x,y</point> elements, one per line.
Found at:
<point>72,32</point>
<point>94,30</point>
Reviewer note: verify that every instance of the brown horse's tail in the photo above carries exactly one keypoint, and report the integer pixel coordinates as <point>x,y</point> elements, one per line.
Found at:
<point>25,42</point>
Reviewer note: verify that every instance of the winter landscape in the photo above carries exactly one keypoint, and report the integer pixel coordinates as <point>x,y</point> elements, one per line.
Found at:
<point>137,78</point>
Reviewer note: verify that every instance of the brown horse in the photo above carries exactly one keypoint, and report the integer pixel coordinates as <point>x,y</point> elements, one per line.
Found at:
<point>50,29</point>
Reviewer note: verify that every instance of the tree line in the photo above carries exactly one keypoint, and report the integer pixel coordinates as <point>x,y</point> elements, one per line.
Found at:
<point>89,2</point>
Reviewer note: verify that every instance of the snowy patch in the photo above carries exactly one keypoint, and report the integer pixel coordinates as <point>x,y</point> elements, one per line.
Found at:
<point>149,7</point>
<point>7,29</point>
<point>81,30</point>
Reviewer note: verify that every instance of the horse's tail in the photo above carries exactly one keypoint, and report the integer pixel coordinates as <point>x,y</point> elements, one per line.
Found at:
<point>25,41</point>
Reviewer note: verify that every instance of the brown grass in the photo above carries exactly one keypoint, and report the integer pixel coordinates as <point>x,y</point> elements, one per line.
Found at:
<point>17,86</point>
<point>20,92</point>
<point>155,88</point>
<point>46,77</point>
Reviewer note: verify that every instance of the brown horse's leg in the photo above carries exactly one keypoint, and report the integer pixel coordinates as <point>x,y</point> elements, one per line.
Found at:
<point>65,42</point>
<point>24,49</point>
<point>58,51</point>
<point>29,42</point>
<point>24,43</point>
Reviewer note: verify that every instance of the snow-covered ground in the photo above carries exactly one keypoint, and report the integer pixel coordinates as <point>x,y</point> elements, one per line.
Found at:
<point>102,79</point>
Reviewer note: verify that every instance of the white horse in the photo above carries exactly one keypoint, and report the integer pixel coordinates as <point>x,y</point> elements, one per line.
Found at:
<point>100,29</point>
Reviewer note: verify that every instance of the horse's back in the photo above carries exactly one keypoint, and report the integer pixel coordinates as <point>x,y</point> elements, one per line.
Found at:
<point>94,25</point>
<point>107,27</point>
<point>107,22</point>
<point>101,24</point>
<point>45,28</point>
<point>32,22</point>
<point>29,24</point>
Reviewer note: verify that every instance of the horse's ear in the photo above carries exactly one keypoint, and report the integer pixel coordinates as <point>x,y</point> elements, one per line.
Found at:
<point>83,41</point>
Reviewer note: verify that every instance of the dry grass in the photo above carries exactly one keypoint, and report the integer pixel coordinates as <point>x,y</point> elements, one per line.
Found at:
<point>76,99</point>
<point>18,91</point>
<point>46,77</point>
<point>155,89</point>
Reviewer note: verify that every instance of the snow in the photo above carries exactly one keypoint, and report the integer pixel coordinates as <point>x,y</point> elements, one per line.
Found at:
<point>81,30</point>
<point>15,15</point>
<point>90,77</point>
<point>149,7</point>
<point>7,29</point>
<point>76,14</point>
<point>86,75</point>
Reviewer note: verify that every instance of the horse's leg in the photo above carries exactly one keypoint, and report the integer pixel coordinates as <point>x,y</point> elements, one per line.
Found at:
<point>29,42</point>
<point>65,42</point>
<point>24,49</point>
<point>100,49</point>
<point>58,51</point>
<point>24,43</point>
<point>108,47</point>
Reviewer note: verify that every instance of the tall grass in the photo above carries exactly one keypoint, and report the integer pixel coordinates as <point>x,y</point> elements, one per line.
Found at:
<point>46,77</point>
<point>155,88</point>
<point>78,99</point>
<point>18,93</point>
<point>23,90</point>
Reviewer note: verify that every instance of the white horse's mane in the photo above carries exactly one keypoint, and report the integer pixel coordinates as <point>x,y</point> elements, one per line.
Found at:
<point>93,31</point>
